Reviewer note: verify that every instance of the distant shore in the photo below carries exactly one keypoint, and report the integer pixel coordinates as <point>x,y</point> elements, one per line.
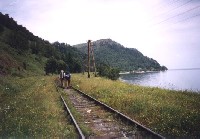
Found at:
<point>132,72</point>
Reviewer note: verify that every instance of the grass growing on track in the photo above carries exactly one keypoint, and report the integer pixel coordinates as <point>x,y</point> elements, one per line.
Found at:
<point>31,107</point>
<point>86,130</point>
<point>171,113</point>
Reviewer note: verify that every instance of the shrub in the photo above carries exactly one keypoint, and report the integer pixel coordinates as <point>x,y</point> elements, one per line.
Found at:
<point>51,66</point>
<point>109,72</point>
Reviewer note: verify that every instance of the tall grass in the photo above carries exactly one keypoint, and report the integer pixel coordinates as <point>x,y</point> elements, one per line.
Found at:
<point>31,107</point>
<point>171,113</point>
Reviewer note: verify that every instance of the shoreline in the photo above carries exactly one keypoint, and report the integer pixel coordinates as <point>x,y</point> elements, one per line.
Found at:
<point>169,89</point>
<point>138,72</point>
<point>155,84</point>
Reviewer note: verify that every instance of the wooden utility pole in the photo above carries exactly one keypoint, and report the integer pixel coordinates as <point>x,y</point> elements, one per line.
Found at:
<point>89,43</point>
<point>94,66</point>
<point>91,53</point>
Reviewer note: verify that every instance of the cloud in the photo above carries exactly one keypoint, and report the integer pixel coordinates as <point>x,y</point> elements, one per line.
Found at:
<point>157,28</point>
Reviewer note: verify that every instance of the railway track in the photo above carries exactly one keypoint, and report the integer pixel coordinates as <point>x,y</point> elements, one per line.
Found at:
<point>104,121</point>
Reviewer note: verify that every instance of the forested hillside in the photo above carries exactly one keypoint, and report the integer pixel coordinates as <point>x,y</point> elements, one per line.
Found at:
<point>116,55</point>
<point>24,53</point>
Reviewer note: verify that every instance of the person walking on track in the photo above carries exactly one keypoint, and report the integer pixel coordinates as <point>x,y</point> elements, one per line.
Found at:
<point>62,77</point>
<point>68,79</point>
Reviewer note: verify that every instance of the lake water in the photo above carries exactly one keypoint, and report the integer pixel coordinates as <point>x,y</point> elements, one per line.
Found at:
<point>171,79</point>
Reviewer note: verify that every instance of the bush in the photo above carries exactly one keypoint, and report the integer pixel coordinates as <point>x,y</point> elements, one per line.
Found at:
<point>109,72</point>
<point>55,66</point>
<point>51,66</point>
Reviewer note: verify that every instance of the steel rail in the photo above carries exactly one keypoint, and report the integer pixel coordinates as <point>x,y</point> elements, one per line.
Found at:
<point>156,135</point>
<point>72,117</point>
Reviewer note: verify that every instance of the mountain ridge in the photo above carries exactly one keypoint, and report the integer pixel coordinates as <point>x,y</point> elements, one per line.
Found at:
<point>118,56</point>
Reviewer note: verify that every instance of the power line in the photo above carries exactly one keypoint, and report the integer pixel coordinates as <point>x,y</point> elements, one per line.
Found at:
<point>170,11</point>
<point>163,4</point>
<point>172,17</point>
<point>181,17</point>
<point>180,21</point>
<point>190,17</point>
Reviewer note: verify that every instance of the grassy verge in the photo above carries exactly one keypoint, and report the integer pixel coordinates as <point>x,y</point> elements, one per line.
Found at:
<point>171,113</point>
<point>31,107</point>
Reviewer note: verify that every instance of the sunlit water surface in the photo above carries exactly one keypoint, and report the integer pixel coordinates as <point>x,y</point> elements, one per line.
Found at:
<point>171,79</point>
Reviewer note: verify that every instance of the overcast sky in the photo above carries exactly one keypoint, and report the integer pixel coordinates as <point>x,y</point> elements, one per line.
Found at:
<point>165,30</point>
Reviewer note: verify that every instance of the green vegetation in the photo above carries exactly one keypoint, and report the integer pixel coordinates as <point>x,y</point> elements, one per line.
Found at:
<point>31,107</point>
<point>116,55</point>
<point>23,53</point>
<point>109,72</point>
<point>55,66</point>
<point>170,113</point>
<point>21,65</point>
